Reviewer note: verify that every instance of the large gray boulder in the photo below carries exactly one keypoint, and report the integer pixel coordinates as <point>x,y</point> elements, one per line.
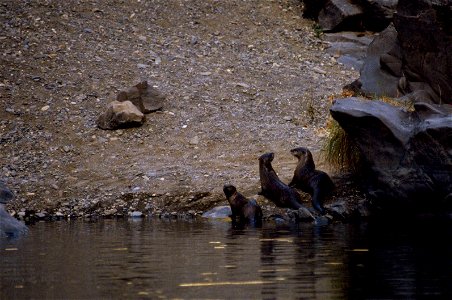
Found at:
<point>381,70</point>
<point>407,156</point>
<point>9,226</point>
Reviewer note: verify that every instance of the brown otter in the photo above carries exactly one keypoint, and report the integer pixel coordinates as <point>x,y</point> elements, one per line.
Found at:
<point>244,211</point>
<point>314,182</point>
<point>273,188</point>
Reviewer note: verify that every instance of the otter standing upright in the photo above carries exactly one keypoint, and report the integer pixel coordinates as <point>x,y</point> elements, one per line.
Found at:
<point>273,188</point>
<point>317,183</point>
<point>244,211</point>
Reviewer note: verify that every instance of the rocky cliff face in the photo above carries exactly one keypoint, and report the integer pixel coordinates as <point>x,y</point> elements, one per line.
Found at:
<point>407,155</point>
<point>424,30</point>
<point>413,59</point>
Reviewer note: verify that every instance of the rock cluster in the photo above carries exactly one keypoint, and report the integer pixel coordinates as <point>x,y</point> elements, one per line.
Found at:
<point>130,106</point>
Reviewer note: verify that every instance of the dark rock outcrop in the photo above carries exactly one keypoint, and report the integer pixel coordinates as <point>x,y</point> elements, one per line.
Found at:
<point>378,14</point>
<point>312,8</point>
<point>413,59</point>
<point>407,156</point>
<point>340,14</point>
<point>352,15</point>
<point>425,36</point>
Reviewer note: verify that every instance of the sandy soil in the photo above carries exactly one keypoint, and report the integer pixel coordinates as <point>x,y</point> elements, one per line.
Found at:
<point>241,78</point>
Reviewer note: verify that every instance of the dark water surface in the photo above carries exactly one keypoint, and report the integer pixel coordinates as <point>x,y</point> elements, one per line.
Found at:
<point>152,258</point>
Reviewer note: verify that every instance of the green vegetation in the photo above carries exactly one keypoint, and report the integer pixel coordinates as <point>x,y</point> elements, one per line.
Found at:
<point>340,150</point>
<point>318,31</point>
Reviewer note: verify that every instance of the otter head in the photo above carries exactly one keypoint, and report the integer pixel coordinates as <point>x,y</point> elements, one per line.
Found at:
<point>267,158</point>
<point>299,152</point>
<point>229,190</point>
<point>303,155</point>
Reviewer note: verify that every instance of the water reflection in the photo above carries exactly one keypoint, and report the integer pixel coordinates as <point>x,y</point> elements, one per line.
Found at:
<point>209,259</point>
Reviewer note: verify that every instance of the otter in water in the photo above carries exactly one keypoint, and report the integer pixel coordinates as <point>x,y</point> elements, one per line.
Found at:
<point>314,182</point>
<point>244,211</point>
<point>273,188</point>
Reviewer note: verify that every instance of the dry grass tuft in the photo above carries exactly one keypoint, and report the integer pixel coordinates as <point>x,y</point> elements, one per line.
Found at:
<point>340,150</point>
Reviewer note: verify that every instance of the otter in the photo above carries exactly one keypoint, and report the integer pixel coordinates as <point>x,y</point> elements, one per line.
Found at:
<point>314,182</point>
<point>273,188</point>
<point>244,211</point>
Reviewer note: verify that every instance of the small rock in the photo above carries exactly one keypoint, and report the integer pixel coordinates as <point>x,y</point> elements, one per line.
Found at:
<point>41,215</point>
<point>243,85</point>
<point>318,70</point>
<point>136,214</point>
<point>194,140</point>
<point>45,108</point>
<point>287,118</point>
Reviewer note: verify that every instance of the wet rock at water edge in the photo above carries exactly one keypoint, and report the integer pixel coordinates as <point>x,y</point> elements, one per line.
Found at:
<point>9,226</point>
<point>218,212</point>
<point>303,214</point>
<point>120,115</point>
<point>136,214</point>
<point>147,98</point>
<point>339,210</point>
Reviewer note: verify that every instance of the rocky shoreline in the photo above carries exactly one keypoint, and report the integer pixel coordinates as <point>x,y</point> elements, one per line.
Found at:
<point>240,79</point>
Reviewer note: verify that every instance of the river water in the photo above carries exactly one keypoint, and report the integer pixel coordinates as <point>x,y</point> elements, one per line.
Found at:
<point>207,259</point>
